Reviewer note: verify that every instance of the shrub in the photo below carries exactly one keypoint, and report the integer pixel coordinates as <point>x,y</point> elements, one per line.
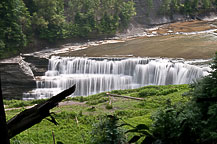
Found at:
<point>108,106</point>
<point>107,131</point>
<point>168,91</point>
<point>194,122</point>
<point>148,92</point>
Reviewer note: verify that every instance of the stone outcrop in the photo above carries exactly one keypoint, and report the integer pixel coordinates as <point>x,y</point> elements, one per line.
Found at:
<point>38,65</point>
<point>15,81</point>
<point>18,75</point>
<point>148,13</point>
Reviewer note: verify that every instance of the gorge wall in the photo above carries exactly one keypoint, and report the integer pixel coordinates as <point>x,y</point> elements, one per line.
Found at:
<point>155,12</point>
<point>15,81</point>
<point>18,75</point>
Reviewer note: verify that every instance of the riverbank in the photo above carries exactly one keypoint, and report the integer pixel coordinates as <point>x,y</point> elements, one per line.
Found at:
<point>188,40</point>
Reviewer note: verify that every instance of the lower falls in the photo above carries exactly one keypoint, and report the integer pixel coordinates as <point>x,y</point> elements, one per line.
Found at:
<point>95,75</point>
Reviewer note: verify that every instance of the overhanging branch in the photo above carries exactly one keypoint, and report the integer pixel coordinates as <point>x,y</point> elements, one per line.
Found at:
<point>36,114</point>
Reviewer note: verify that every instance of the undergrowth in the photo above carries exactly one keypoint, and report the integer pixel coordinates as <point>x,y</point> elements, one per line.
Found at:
<point>76,121</point>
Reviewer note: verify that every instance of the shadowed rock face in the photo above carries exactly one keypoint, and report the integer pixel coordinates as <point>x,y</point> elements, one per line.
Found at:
<point>148,12</point>
<point>38,65</point>
<point>14,81</point>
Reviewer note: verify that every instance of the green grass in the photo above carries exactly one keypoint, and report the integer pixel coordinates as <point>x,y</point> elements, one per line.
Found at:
<point>21,103</point>
<point>130,111</point>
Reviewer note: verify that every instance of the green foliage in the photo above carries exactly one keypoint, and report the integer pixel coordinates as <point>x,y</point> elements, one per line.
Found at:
<point>168,91</point>
<point>127,11</point>
<point>21,103</point>
<point>148,92</point>
<point>97,101</point>
<point>187,7</point>
<point>156,91</point>
<point>142,132</point>
<point>207,89</point>
<point>70,132</point>
<point>14,26</point>
<point>107,131</point>
<point>108,106</point>
<point>177,124</point>
<point>98,16</point>
<point>165,8</point>
<point>194,121</point>
<point>50,20</point>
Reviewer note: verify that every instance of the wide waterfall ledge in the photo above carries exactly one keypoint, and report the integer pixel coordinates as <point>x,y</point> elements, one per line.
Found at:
<point>95,75</point>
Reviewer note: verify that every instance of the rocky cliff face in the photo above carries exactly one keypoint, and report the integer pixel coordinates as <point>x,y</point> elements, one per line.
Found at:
<point>38,65</point>
<point>148,13</point>
<point>15,81</point>
<point>18,75</point>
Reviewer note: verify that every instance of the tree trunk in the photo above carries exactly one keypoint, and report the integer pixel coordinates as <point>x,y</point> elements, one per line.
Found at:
<point>4,139</point>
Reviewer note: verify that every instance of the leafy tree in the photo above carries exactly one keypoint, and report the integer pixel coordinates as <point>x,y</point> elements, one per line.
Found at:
<point>15,22</point>
<point>205,97</point>
<point>30,5</point>
<point>127,11</point>
<point>108,24</point>
<point>165,8</point>
<point>174,6</point>
<point>206,4</point>
<point>177,124</point>
<point>24,20</point>
<point>85,23</point>
<point>48,20</point>
<point>187,7</point>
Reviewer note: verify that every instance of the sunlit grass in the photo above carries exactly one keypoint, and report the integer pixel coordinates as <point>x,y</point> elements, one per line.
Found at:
<point>75,121</point>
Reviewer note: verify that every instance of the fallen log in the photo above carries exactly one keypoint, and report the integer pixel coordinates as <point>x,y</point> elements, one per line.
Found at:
<point>128,97</point>
<point>36,114</point>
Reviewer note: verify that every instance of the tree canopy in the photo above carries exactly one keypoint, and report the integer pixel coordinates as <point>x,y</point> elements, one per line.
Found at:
<point>24,20</point>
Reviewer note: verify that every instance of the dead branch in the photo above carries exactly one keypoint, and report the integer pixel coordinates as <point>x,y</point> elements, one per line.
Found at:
<point>36,114</point>
<point>128,97</point>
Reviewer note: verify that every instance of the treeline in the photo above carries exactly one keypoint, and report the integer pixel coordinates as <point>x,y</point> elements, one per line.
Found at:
<point>22,21</point>
<point>188,7</point>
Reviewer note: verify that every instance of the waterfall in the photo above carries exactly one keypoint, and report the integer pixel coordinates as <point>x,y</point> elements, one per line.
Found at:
<point>94,75</point>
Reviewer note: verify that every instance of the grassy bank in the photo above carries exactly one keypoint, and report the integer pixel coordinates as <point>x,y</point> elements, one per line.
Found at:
<point>76,120</point>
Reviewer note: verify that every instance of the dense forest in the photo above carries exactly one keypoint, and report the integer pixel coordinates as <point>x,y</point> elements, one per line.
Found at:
<point>23,21</point>
<point>187,7</point>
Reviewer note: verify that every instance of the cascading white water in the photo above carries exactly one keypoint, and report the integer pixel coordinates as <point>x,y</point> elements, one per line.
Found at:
<point>94,75</point>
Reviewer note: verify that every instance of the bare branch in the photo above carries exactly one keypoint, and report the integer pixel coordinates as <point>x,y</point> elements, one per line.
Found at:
<point>36,114</point>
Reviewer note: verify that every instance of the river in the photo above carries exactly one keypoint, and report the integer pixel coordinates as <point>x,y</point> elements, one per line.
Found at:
<point>170,54</point>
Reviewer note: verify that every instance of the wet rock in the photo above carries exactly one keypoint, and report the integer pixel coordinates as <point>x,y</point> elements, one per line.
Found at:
<point>38,65</point>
